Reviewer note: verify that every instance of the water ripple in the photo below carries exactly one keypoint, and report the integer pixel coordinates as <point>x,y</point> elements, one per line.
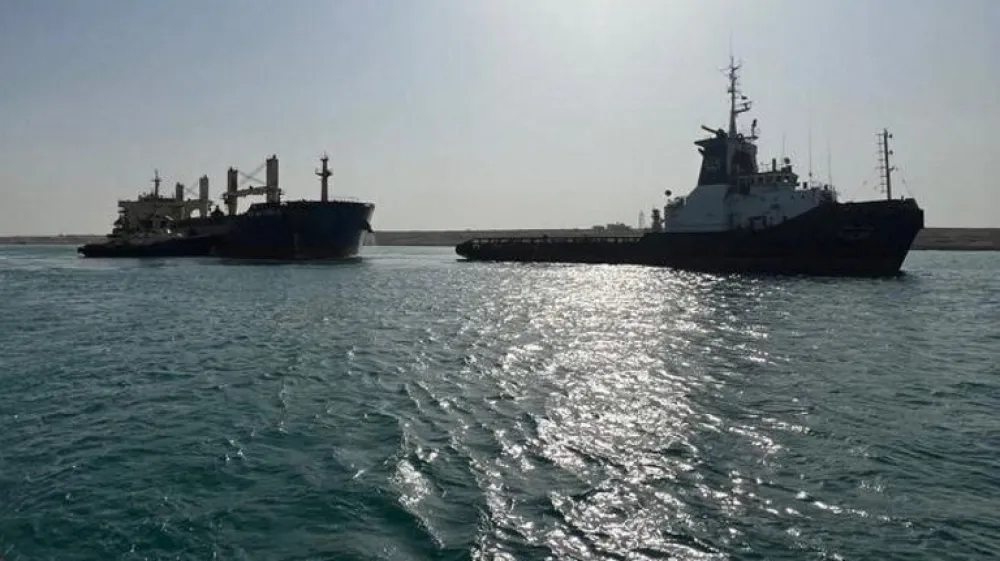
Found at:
<point>412,407</point>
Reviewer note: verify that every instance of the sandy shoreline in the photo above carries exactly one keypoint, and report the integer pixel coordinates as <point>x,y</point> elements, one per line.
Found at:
<point>954,239</point>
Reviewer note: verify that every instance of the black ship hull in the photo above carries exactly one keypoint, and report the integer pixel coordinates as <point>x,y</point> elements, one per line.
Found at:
<point>188,246</point>
<point>297,230</point>
<point>837,239</point>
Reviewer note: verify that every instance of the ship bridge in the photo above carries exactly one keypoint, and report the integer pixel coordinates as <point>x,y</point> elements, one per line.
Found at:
<point>717,165</point>
<point>136,214</point>
<point>732,192</point>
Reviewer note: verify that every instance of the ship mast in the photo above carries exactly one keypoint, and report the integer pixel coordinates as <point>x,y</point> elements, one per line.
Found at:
<point>734,110</point>
<point>156,183</point>
<point>884,137</point>
<point>733,92</point>
<point>324,178</point>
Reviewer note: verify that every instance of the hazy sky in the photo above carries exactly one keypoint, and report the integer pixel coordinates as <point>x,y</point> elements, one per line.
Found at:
<point>486,114</point>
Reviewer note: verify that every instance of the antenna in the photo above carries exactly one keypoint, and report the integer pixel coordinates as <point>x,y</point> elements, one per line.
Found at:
<point>810,144</point>
<point>829,165</point>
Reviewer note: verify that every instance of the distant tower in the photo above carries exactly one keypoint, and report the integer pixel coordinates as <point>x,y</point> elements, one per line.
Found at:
<point>324,179</point>
<point>642,220</point>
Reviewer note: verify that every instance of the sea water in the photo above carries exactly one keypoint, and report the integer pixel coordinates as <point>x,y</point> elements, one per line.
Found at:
<point>411,406</point>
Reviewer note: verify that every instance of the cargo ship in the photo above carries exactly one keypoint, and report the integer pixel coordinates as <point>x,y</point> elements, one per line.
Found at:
<point>293,230</point>
<point>157,226</point>
<point>742,217</point>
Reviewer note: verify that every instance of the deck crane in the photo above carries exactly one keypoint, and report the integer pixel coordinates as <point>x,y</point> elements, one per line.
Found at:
<point>269,189</point>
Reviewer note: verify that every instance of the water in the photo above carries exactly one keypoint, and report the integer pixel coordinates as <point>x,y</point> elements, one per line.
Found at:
<point>413,407</point>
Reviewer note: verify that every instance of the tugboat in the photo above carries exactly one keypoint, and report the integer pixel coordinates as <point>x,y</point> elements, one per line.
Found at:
<point>153,225</point>
<point>156,241</point>
<point>743,219</point>
<point>293,230</point>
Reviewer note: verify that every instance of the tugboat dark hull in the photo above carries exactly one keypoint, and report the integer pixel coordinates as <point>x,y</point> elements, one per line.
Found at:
<point>868,239</point>
<point>194,246</point>
<point>297,230</point>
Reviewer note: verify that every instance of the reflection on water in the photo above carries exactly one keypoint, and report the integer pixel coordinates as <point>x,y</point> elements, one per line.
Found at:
<point>610,367</point>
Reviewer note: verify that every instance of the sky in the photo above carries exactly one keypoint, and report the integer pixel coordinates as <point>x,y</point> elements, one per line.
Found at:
<point>478,114</point>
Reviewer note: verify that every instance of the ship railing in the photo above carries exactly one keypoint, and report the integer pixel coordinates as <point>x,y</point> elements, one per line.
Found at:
<point>534,240</point>
<point>339,199</point>
<point>354,200</point>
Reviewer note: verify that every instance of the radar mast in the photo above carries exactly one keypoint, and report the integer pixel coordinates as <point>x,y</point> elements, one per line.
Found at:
<point>736,106</point>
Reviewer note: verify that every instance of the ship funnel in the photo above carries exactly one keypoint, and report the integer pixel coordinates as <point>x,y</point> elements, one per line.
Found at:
<point>179,192</point>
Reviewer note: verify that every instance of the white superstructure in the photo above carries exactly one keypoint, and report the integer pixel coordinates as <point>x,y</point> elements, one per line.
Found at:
<point>153,211</point>
<point>732,192</point>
